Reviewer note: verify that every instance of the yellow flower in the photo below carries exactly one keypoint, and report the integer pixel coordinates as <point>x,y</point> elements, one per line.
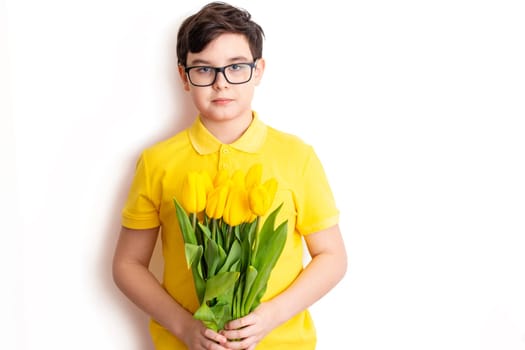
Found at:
<point>221,178</point>
<point>253,177</point>
<point>261,197</point>
<point>237,208</point>
<point>237,179</point>
<point>271,186</point>
<point>206,181</point>
<point>217,201</point>
<point>195,191</point>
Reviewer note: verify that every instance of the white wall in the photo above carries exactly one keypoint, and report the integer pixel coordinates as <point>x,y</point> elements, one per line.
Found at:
<point>415,107</point>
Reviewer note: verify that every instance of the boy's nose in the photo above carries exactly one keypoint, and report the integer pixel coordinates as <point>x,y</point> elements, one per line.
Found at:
<point>220,80</point>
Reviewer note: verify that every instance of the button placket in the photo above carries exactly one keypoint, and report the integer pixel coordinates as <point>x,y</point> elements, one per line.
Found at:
<point>224,157</point>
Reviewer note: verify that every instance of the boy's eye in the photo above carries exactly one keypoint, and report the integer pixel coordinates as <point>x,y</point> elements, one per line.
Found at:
<point>204,69</point>
<point>235,67</point>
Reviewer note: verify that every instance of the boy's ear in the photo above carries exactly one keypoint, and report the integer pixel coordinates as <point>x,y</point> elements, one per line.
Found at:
<point>259,70</point>
<point>183,77</point>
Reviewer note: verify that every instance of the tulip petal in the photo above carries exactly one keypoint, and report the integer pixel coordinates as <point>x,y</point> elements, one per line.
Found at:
<point>253,176</point>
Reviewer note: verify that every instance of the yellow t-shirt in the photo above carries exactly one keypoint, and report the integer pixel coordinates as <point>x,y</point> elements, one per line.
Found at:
<point>303,188</point>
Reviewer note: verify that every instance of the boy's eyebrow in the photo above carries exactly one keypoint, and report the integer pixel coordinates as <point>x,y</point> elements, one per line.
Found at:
<point>199,61</point>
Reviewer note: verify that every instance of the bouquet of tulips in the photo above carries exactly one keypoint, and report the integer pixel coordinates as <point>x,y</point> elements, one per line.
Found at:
<point>230,249</point>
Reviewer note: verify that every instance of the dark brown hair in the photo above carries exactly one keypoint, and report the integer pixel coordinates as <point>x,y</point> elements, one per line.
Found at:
<point>215,19</point>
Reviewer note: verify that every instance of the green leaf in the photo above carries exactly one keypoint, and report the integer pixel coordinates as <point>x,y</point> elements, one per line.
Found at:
<point>222,314</point>
<point>193,259</point>
<point>252,232</point>
<point>246,239</point>
<point>193,253</point>
<point>219,236</point>
<point>237,233</point>
<point>270,241</point>
<point>185,224</point>
<point>228,238</point>
<point>269,246</point>
<point>220,284</point>
<point>198,232</point>
<point>212,257</point>
<point>222,258</point>
<point>205,230</point>
<point>207,316</point>
<point>219,313</point>
<point>236,266</point>
<point>214,317</point>
<point>250,276</point>
<point>233,256</point>
<point>237,306</point>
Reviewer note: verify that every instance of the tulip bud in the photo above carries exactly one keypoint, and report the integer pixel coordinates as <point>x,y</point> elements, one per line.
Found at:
<point>258,198</point>
<point>271,186</point>
<point>217,202</point>
<point>237,208</point>
<point>195,190</point>
<point>262,196</point>
<point>253,177</point>
<point>206,181</point>
<point>221,178</point>
<point>238,179</point>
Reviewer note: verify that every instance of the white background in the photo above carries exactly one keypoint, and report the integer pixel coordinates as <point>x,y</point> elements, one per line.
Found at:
<point>416,109</point>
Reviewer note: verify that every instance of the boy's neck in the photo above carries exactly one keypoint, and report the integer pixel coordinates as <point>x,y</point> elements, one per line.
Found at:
<point>228,131</point>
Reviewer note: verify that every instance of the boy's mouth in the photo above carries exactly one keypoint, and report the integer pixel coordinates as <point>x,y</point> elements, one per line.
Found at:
<point>222,101</point>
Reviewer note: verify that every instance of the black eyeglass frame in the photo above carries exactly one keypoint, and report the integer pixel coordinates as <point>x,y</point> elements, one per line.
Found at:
<point>252,65</point>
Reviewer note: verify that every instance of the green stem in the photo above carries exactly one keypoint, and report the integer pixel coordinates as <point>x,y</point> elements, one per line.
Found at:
<point>196,229</point>
<point>193,220</point>
<point>213,229</point>
<point>256,240</point>
<point>229,235</point>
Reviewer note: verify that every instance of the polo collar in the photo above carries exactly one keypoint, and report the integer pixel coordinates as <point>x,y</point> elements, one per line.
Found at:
<point>205,143</point>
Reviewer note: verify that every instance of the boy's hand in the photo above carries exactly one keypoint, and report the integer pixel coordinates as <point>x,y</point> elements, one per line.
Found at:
<point>198,337</point>
<point>248,331</point>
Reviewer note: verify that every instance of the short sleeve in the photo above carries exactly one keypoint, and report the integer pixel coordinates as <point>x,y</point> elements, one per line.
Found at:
<point>140,210</point>
<point>316,208</point>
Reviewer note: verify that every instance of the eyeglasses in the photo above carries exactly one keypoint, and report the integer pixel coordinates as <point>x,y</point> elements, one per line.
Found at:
<point>236,73</point>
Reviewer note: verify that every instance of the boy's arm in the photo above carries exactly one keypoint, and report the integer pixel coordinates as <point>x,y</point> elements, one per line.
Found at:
<point>132,276</point>
<point>325,270</point>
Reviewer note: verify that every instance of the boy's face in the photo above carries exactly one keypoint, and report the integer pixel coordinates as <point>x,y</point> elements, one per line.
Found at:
<point>223,101</point>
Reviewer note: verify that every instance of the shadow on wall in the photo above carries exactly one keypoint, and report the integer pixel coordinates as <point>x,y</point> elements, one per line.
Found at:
<point>181,118</point>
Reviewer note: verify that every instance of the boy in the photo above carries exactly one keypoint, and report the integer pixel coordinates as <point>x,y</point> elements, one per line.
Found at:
<point>219,51</point>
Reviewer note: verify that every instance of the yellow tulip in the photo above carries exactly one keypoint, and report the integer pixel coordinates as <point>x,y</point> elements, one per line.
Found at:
<point>261,197</point>
<point>237,179</point>
<point>258,200</point>
<point>237,208</point>
<point>271,186</point>
<point>221,178</point>
<point>195,191</point>
<point>206,181</point>
<point>253,177</point>
<point>217,201</point>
